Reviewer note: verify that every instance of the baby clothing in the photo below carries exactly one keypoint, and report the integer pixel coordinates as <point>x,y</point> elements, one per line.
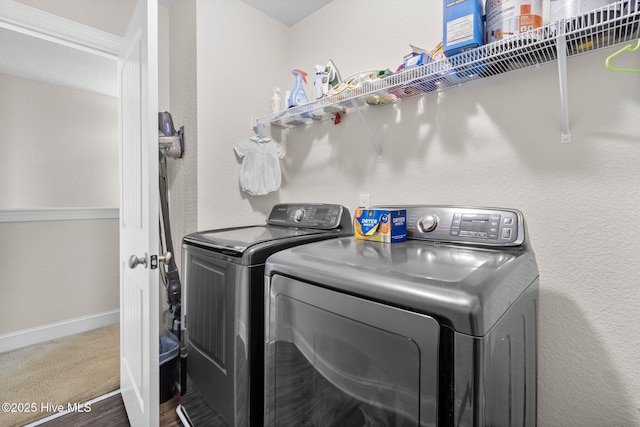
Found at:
<point>260,172</point>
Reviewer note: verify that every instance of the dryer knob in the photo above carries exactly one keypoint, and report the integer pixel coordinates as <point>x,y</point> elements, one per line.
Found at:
<point>298,215</point>
<point>428,223</point>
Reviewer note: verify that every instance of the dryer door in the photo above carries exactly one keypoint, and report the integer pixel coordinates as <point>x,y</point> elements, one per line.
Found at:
<point>337,360</point>
<point>215,305</point>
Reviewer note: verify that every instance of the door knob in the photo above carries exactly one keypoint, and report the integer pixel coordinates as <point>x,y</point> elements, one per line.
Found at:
<point>134,261</point>
<point>166,258</point>
<point>155,259</point>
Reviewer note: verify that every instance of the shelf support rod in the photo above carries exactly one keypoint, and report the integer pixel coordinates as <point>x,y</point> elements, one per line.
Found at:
<point>366,126</point>
<point>561,47</point>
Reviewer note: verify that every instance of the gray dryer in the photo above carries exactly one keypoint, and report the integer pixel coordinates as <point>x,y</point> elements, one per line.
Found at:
<point>223,301</point>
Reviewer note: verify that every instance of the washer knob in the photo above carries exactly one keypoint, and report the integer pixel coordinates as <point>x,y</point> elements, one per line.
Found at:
<point>428,223</point>
<point>298,215</point>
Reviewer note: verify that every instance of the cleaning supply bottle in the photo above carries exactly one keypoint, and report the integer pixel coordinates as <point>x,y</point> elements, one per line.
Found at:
<point>275,100</point>
<point>298,96</point>
<point>318,83</point>
<point>287,95</point>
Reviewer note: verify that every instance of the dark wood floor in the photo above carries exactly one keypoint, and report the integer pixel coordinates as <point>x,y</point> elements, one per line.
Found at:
<point>110,412</point>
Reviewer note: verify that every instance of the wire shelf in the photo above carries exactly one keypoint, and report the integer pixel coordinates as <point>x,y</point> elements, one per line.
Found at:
<point>600,28</point>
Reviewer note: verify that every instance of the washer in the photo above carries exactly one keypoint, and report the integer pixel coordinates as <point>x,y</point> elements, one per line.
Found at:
<point>439,330</point>
<point>224,303</point>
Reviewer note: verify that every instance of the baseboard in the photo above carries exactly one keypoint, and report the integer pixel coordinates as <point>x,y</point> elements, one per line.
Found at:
<point>25,337</point>
<point>84,405</point>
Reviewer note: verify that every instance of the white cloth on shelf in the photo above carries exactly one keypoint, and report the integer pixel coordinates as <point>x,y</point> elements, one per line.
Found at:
<point>260,172</point>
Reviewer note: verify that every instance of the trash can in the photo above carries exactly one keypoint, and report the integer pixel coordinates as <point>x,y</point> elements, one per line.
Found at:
<point>169,350</point>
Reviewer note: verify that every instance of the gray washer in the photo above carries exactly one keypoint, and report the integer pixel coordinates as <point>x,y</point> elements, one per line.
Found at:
<point>439,330</point>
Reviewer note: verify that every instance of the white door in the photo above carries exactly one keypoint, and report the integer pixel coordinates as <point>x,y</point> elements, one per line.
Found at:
<point>139,317</point>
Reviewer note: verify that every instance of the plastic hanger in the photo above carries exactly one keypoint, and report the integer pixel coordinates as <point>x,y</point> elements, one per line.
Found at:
<point>259,136</point>
<point>629,48</point>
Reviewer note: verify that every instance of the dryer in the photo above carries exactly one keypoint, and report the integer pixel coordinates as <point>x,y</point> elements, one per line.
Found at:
<point>223,301</point>
<point>439,330</point>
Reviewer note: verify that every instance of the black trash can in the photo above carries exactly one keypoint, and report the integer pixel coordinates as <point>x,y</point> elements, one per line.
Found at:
<point>169,350</point>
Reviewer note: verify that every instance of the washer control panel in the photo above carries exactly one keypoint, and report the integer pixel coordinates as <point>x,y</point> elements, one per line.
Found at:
<point>475,226</point>
<point>308,215</point>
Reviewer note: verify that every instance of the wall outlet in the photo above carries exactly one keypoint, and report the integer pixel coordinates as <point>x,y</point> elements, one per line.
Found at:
<point>363,200</point>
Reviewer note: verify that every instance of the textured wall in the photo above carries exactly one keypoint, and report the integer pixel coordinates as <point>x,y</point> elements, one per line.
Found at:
<point>240,53</point>
<point>183,90</point>
<point>491,143</point>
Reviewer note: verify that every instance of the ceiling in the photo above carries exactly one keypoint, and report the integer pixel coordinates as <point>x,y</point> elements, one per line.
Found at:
<point>288,12</point>
<point>43,59</point>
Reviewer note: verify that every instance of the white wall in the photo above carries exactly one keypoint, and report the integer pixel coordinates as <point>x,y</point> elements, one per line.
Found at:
<point>57,271</point>
<point>59,145</point>
<point>491,143</point>
<point>240,54</point>
<point>60,151</point>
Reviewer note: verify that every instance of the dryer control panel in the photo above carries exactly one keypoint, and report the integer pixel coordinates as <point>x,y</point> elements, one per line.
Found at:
<point>310,215</point>
<point>466,225</point>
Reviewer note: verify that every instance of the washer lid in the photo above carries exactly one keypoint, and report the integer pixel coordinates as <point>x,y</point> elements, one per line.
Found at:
<point>467,287</point>
<point>235,241</point>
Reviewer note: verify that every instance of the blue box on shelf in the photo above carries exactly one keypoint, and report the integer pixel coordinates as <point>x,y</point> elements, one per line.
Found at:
<point>463,25</point>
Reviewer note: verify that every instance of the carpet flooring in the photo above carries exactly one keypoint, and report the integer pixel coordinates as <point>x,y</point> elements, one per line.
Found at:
<point>39,380</point>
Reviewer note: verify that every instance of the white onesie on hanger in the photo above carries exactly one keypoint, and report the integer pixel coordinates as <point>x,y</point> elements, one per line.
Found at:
<point>260,172</point>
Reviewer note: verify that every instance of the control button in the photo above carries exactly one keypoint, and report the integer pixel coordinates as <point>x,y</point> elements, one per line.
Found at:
<point>298,215</point>
<point>428,223</point>
<point>506,233</point>
<point>508,221</point>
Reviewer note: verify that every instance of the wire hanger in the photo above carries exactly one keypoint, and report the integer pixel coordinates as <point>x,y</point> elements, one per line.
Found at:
<point>629,48</point>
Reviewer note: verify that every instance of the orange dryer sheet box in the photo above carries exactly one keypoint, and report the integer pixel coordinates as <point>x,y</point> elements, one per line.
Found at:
<point>380,225</point>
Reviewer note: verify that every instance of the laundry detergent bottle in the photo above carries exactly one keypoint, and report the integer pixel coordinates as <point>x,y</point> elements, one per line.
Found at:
<point>298,96</point>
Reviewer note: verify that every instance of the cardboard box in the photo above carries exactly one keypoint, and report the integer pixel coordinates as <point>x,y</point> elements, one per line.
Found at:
<point>379,225</point>
<point>463,26</point>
